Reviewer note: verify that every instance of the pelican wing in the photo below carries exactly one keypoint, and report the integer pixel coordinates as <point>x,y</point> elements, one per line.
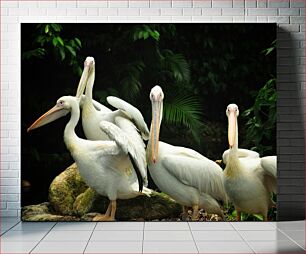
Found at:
<point>268,163</point>
<point>243,154</point>
<point>98,106</point>
<point>269,167</point>
<point>125,138</point>
<point>132,113</point>
<point>100,148</point>
<point>202,174</point>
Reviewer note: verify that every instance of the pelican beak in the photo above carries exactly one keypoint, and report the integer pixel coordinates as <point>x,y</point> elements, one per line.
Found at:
<point>87,73</point>
<point>232,120</point>
<point>155,127</point>
<point>53,114</point>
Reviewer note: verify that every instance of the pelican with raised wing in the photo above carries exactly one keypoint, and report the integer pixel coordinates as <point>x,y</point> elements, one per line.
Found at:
<point>248,183</point>
<point>127,117</point>
<point>184,174</point>
<point>112,168</point>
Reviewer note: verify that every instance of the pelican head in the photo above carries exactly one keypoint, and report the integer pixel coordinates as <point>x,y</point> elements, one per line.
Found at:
<point>88,75</point>
<point>232,113</point>
<point>62,107</point>
<point>156,97</point>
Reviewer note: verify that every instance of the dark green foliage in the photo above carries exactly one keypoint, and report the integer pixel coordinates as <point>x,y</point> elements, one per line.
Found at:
<point>261,123</point>
<point>261,117</point>
<point>48,37</point>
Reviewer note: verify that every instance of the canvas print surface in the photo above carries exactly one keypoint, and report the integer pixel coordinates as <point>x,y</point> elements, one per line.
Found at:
<point>148,122</point>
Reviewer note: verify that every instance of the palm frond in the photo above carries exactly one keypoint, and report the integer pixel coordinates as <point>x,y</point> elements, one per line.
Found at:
<point>177,65</point>
<point>130,79</point>
<point>184,110</point>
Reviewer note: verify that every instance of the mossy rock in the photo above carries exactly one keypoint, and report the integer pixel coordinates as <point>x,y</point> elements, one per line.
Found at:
<point>64,190</point>
<point>43,212</point>
<point>70,196</point>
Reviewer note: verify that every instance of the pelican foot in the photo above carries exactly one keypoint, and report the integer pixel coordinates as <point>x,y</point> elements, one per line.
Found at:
<point>103,217</point>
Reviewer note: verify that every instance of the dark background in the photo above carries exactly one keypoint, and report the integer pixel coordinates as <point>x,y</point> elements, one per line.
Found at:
<point>201,68</point>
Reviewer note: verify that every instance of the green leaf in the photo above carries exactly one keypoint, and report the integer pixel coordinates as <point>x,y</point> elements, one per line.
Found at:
<point>55,41</point>
<point>71,50</point>
<point>78,41</point>
<point>56,27</point>
<point>60,40</point>
<point>259,217</point>
<point>46,29</point>
<point>145,35</point>
<point>155,35</point>
<point>38,53</point>
<point>62,53</point>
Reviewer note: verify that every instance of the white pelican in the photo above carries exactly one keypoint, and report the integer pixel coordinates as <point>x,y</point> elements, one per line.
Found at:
<point>93,113</point>
<point>248,183</point>
<point>106,166</point>
<point>185,175</point>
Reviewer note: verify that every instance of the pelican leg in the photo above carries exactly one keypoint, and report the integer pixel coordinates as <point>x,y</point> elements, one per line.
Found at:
<point>109,214</point>
<point>114,208</point>
<point>195,213</point>
<point>238,216</point>
<point>185,213</point>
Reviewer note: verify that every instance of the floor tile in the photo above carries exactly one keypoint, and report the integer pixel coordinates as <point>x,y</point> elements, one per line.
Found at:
<point>70,226</point>
<point>22,236</point>
<point>114,247</point>
<point>253,225</point>
<point>223,247</point>
<point>120,225</point>
<point>296,235</point>
<point>60,247</point>
<point>167,236</point>
<point>17,247</point>
<point>210,226</point>
<point>276,247</point>
<point>216,236</point>
<point>291,225</point>
<point>169,247</point>
<point>69,236</point>
<point>166,226</point>
<point>273,235</point>
<point>9,220</point>
<point>101,236</point>
<point>4,226</point>
<point>33,226</point>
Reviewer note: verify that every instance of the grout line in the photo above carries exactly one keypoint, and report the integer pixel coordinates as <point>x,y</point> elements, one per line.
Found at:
<point>193,237</point>
<point>143,232</point>
<point>247,243</point>
<point>10,228</point>
<point>291,238</point>
<point>42,238</point>
<point>93,230</point>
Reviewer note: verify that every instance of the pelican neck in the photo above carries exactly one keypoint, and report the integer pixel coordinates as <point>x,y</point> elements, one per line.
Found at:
<point>69,132</point>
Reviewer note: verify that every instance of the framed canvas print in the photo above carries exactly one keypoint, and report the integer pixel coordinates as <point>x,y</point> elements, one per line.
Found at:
<point>139,122</point>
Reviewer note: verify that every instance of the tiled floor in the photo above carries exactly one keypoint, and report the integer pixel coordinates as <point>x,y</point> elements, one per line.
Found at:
<point>152,237</point>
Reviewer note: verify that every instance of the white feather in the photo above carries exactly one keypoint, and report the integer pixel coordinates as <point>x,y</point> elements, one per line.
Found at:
<point>132,113</point>
<point>126,141</point>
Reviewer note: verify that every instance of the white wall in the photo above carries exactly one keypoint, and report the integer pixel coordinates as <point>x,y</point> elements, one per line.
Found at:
<point>288,14</point>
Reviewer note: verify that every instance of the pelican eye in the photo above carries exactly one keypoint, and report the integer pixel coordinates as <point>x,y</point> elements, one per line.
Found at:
<point>61,103</point>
